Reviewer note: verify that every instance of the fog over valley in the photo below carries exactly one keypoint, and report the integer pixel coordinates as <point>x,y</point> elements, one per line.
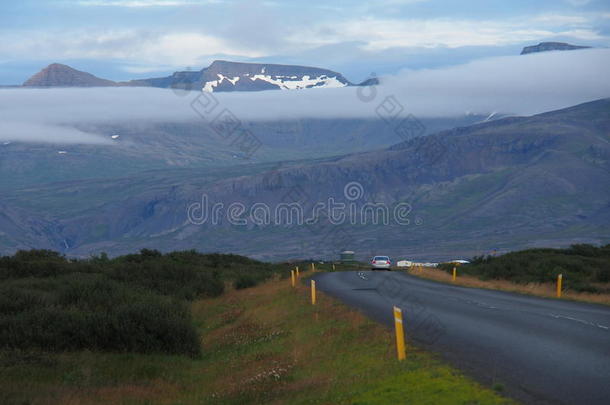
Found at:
<point>511,85</point>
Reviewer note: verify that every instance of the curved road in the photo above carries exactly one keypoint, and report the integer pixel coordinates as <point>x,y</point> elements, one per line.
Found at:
<point>543,351</point>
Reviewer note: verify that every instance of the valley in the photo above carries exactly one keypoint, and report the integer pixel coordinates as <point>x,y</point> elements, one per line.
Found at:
<point>511,183</point>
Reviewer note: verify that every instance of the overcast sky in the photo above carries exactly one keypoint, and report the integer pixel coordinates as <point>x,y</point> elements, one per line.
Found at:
<point>123,39</point>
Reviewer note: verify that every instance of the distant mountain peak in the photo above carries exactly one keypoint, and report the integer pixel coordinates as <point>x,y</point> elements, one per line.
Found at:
<point>59,75</point>
<point>224,75</point>
<point>551,46</point>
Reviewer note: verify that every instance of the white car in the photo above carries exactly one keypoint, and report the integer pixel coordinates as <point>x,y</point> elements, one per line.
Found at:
<point>381,263</point>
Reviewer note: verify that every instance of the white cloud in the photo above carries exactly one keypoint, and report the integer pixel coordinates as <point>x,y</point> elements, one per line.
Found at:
<point>138,69</point>
<point>401,2</point>
<point>582,34</point>
<point>187,48</point>
<point>521,85</point>
<point>558,19</point>
<point>388,33</point>
<point>138,46</point>
<point>144,3</point>
<point>578,3</point>
<point>253,30</point>
<point>20,131</point>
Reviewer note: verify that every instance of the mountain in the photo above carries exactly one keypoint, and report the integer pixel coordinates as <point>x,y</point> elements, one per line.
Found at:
<point>220,76</point>
<point>223,76</point>
<point>507,184</point>
<point>231,76</point>
<point>137,146</point>
<point>551,46</point>
<point>58,75</point>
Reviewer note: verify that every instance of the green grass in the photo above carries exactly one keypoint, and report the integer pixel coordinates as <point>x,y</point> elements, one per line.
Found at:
<point>446,385</point>
<point>264,344</point>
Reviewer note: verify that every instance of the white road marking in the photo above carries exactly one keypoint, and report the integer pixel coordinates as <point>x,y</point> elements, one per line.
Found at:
<point>556,316</point>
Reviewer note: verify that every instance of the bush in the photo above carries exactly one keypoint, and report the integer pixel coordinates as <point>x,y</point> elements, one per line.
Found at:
<point>133,303</point>
<point>167,278</point>
<point>93,312</point>
<point>244,281</point>
<point>580,265</point>
<point>33,263</point>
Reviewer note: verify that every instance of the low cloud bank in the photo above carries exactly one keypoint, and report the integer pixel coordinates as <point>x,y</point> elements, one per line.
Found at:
<point>20,131</point>
<point>521,85</point>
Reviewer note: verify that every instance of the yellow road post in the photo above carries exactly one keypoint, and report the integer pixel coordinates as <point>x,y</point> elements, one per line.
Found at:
<point>400,334</point>
<point>292,278</point>
<point>559,282</point>
<point>454,273</point>
<point>313,292</point>
<point>297,271</point>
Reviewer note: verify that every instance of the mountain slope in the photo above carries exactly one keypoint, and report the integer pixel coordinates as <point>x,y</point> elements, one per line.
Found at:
<point>58,75</point>
<point>143,146</point>
<point>20,229</point>
<point>506,184</point>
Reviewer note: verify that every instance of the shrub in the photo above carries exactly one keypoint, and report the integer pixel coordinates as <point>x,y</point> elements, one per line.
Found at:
<point>93,312</point>
<point>134,303</point>
<point>244,281</point>
<point>167,278</point>
<point>580,265</point>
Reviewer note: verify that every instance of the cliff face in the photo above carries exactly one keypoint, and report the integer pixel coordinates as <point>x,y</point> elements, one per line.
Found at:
<point>551,46</point>
<point>58,75</point>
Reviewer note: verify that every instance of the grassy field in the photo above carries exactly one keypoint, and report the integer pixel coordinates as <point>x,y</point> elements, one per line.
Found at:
<point>264,344</point>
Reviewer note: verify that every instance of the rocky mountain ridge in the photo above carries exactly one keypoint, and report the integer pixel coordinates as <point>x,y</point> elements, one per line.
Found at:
<point>220,76</point>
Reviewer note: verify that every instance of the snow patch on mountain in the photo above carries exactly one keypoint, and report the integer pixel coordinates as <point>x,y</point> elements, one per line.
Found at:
<point>210,85</point>
<point>291,82</point>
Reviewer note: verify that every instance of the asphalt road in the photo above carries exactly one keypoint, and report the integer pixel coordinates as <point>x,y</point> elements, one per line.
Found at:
<point>543,351</point>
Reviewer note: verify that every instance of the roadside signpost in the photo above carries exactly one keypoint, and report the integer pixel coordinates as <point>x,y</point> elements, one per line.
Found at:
<point>400,334</point>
